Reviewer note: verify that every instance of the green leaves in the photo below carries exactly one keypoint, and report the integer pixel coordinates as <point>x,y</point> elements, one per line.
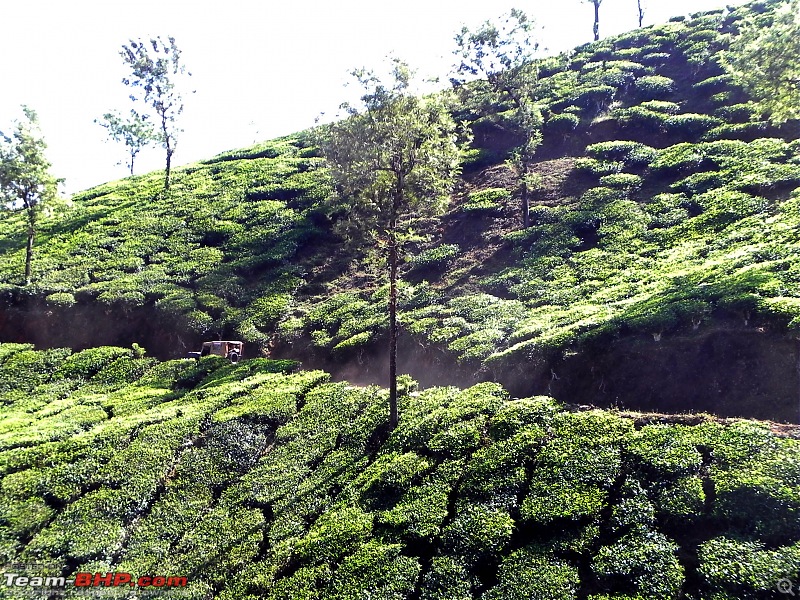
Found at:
<point>213,470</point>
<point>155,67</point>
<point>763,59</point>
<point>397,152</point>
<point>25,181</point>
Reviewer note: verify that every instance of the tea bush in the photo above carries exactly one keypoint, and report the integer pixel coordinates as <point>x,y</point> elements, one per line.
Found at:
<point>561,124</point>
<point>487,201</point>
<point>186,477</point>
<point>646,559</point>
<point>436,257</point>
<point>627,152</point>
<point>653,87</point>
<point>528,574</point>
<point>478,533</point>
<point>746,569</point>
<point>89,362</point>
<point>692,125</point>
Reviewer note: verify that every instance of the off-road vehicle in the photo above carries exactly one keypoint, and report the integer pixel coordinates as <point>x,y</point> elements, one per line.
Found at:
<point>230,350</point>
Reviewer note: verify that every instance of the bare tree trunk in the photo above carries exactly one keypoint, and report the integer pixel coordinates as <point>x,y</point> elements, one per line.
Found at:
<point>169,148</point>
<point>29,246</point>
<point>397,201</point>
<point>393,418</point>
<point>596,28</point>
<point>798,380</point>
<point>169,162</point>
<point>641,12</point>
<point>526,206</point>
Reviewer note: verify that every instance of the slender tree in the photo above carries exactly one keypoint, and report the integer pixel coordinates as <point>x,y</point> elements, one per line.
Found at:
<point>501,56</point>
<point>640,7</point>
<point>765,60</point>
<point>136,132</point>
<point>25,180</point>
<point>155,67</point>
<point>394,156</point>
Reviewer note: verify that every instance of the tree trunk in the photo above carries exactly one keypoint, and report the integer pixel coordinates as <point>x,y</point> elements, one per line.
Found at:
<point>393,419</point>
<point>133,155</point>
<point>641,12</point>
<point>29,246</point>
<point>169,148</point>
<point>596,28</point>
<point>169,162</point>
<point>397,201</point>
<point>526,207</point>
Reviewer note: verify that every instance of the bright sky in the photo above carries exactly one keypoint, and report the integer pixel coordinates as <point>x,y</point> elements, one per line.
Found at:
<point>260,68</point>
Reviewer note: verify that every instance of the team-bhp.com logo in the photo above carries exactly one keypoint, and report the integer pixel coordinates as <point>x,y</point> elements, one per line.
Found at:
<point>94,580</point>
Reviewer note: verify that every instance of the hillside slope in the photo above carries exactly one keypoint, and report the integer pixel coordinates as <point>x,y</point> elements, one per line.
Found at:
<point>252,481</point>
<point>664,238</point>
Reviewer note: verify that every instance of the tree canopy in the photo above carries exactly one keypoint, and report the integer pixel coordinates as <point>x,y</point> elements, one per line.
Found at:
<point>393,157</point>
<point>135,131</point>
<point>155,67</point>
<point>25,179</point>
<point>501,55</point>
<point>765,61</point>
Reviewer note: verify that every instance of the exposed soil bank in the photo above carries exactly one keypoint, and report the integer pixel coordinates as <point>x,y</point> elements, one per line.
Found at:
<point>726,370</point>
<point>742,372</point>
<point>81,326</point>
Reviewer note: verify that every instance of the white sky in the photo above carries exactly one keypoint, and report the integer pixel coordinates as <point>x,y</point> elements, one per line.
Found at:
<point>260,68</point>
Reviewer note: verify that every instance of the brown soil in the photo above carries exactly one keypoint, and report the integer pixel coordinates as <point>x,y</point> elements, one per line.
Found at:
<point>729,371</point>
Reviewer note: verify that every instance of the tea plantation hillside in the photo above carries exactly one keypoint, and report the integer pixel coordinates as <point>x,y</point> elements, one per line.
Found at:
<point>664,231</point>
<point>256,481</point>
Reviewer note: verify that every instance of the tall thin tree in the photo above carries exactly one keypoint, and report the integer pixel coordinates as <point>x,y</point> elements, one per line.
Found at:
<point>155,67</point>
<point>501,55</point>
<point>596,26</point>
<point>394,156</point>
<point>25,180</point>
<point>135,131</point>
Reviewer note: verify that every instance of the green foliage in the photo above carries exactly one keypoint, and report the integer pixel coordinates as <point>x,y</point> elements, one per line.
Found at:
<point>488,200</point>
<point>653,87</point>
<point>598,167</point>
<point>197,472</point>
<point>691,125</point>
<point>763,60</point>
<point>647,559</point>
<point>744,568</point>
<point>478,533</point>
<point>25,369</point>
<point>436,257</point>
<point>155,68</point>
<point>561,124</point>
<point>262,482</point>
<point>135,131</point>
<point>526,574</point>
<point>624,181</point>
<point>89,362</point>
<point>629,153</point>
<point>593,98</point>
<point>25,181</point>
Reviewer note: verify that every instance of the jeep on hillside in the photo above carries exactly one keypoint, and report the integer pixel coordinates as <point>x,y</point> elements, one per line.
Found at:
<point>230,350</point>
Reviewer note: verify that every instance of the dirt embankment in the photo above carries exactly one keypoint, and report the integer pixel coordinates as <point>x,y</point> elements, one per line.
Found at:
<point>725,371</point>
<point>32,320</point>
<point>728,370</point>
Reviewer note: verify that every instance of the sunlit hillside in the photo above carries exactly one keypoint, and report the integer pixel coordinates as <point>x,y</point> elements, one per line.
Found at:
<point>599,406</point>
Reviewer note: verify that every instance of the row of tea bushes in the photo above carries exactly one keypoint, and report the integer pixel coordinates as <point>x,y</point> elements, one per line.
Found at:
<point>257,482</point>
